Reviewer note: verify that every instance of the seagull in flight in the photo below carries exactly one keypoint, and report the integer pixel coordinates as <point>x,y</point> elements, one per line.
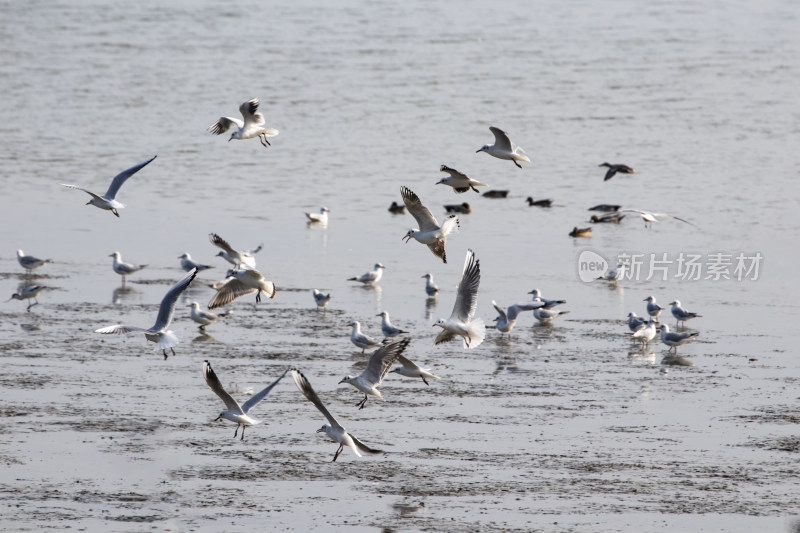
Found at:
<point>335,430</point>
<point>251,126</point>
<point>458,181</point>
<point>429,232</point>
<point>236,412</point>
<point>412,370</point>
<point>503,148</point>
<point>649,217</point>
<point>108,200</point>
<point>613,169</point>
<point>29,262</point>
<point>240,283</point>
<point>239,259</point>
<point>379,364</point>
<point>164,338</point>
<point>462,321</point>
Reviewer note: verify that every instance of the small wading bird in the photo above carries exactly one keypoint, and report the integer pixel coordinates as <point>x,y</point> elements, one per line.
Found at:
<point>165,339</point>
<point>379,364</point>
<point>29,292</point>
<point>613,169</point>
<point>335,431</point>
<point>240,283</point>
<point>503,148</point>
<point>462,321</point>
<point>251,126</point>
<point>373,276</point>
<point>458,181</point>
<point>122,268</point>
<point>410,369</point>
<point>429,232</point>
<point>29,262</point>
<point>108,200</point>
<point>235,412</point>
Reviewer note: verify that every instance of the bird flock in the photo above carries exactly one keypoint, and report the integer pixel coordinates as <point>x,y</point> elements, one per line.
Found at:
<point>462,324</point>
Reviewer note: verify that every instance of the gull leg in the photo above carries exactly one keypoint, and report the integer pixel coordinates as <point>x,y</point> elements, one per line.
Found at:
<point>515,162</point>
<point>424,380</point>
<point>258,296</point>
<point>173,351</point>
<point>165,354</point>
<point>115,212</point>
<point>362,403</point>
<point>336,455</point>
<point>237,430</point>
<point>243,426</point>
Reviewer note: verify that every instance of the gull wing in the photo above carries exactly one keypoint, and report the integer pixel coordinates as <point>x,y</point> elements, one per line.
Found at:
<point>118,329</point>
<point>363,447</point>
<point>120,178</point>
<point>672,216</point>
<point>219,242</point>
<point>499,310</point>
<point>382,360</point>
<point>467,298</point>
<point>408,363</point>
<point>438,250</point>
<point>444,336</point>
<point>223,124</point>
<point>167,308</point>
<point>421,213</point>
<point>255,250</point>
<point>87,191</point>
<point>249,111</point>
<point>515,309</point>
<point>229,292</point>
<point>454,173</point>
<point>219,390</point>
<point>249,404</point>
<point>501,139</point>
<point>305,387</point>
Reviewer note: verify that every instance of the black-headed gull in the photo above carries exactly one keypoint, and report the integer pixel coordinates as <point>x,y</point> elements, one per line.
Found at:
<point>430,287</point>
<point>411,370</point>
<point>251,126</point>
<point>387,328</point>
<point>645,333</point>
<point>335,431</point>
<point>681,314</point>
<point>462,321</point>
<point>635,322</point>
<point>202,317</point>
<point>238,258</point>
<point>373,276</point>
<point>429,232</point>
<point>536,296</point>
<point>321,298</point>
<point>240,283</point>
<point>108,200</point>
<point>649,217</point>
<point>503,148</point>
<point>122,268</point>
<point>613,275</point>
<point>187,263</point>
<point>673,339</point>
<point>613,169</point>
<point>29,262</point>
<point>506,319</point>
<point>27,293</point>
<point>319,218</point>
<point>165,339</point>
<point>378,365</point>
<point>360,339</point>
<point>236,412</point>
<point>545,316</point>
<point>653,309</point>
<point>458,181</point>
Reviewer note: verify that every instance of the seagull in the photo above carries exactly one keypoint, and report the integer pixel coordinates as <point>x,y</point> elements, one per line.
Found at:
<point>646,333</point>
<point>373,276</point>
<point>681,314</point>
<point>614,274</point>
<point>411,370</point>
<point>635,322</point>
<point>507,319</point>
<point>360,339</point>
<point>321,299</point>
<point>187,264</point>
<point>612,218</point>
<point>29,262</point>
<point>463,208</point>
<point>379,364</point>
<point>503,148</point>
<point>605,208</point>
<point>335,431</point>
<point>108,200</point>
<point>122,268</point>
<point>545,316</point>
<point>613,169</point>
<point>386,326</point>
<point>673,339</point>
<point>462,321</point>
<point>235,412</point>
<point>545,202</point>
<point>548,304</point>
<point>321,218</point>
<point>158,332</point>
<point>31,291</point>
<point>204,318</point>
<point>239,259</point>
<point>580,232</point>
<point>243,282</point>
<point>252,126</point>
<point>429,232</point>
<point>458,181</point>
<point>653,309</point>
<point>397,209</point>
<point>430,287</point>
<point>649,217</point>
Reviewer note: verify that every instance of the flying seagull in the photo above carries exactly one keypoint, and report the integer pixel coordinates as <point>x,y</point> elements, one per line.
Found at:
<point>503,148</point>
<point>379,364</point>
<point>108,200</point>
<point>251,126</point>
<point>429,232</point>
<point>462,321</point>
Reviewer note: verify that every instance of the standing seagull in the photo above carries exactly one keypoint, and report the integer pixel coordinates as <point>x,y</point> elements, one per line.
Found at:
<point>158,332</point>
<point>645,333</point>
<point>360,339</point>
<point>649,217</point>
<point>379,364</point>
<point>503,148</point>
<point>507,319</point>
<point>462,320</point>
<point>635,322</point>
<point>108,201</point>
<point>547,304</point>
<point>252,126</point>
<point>430,287</point>
<point>653,309</point>
<point>122,268</point>
<point>387,328</point>
<point>235,412</point>
<point>239,259</point>
<point>31,291</point>
<point>204,318</point>
<point>29,262</point>
<point>411,370</point>
<point>673,339</point>
<point>242,282</point>
<point>458,181</point>
<point>373,276</point>
<point>187,263</point>
<point>321,298</point>
<point>613,169</point>
<point>335,430</point>
<point>545,316</point>
<point>429,232</point>
<point>681,314</point>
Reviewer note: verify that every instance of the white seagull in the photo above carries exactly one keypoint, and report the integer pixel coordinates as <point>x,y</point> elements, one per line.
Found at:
<point>204,318</point>
<point>379,364</point>
<point>649,217</point>
<point>458,181</point>
<point>645,333</point>
<point>29,262</point>
<point>319,218</point>
<point>547,304</point>
<point>430,287</point>
<point>29,292</point>
<point>614,274</point>
<point>373,276</point>
<point>251,126</point>
<point>412,370</point>
<point>335,430</point>
<point>239,259</point>
<point>242,282</point>
<point>235,412</point>
<point>673,339</point>
<point>545,316</point>
<point>681,314</point>
<point>187,263</point>
<point>158,332</point>
<point>429,232</point>
<point>360,339</point>
<point>122,268</point>
<point>653,309</point>
<point>503,148</point>
<point>387,328</point>
<point>508,318</point>
<point>108,200</point>
<point>321,298</point>
<point>462,321</point>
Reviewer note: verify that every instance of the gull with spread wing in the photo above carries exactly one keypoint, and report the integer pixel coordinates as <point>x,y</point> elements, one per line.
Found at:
<point>503,148</point>
<point>462,321</point>
<point>251,126</point>
<point>412,370</point>
<point>429,232</point>
<point>239,259</point>
<point>108,200</point>
<point>379,364</point>
<point>240,283</point>
<point>458,181</point>
<point>508,318</point>
<point>649,217</point>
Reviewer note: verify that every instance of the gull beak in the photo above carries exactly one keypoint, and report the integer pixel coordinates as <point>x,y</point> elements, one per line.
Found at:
<point>320,430</point>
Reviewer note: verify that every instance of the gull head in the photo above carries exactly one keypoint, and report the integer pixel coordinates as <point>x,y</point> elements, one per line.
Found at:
<point>649,299</point>
<point>483,148</point>
<point>235,135</point>
<point>115,255</point>
<point>184,256</point>
<point>408,236</point>
<point>345,379</point>
<point>194,305</point>
<point>220,254</point>
<point>381,314</point>
<point>440,323</point>
<point>378,265</point>
<point>442,181</point>
<point>676,302</point>
<point>324,428</point>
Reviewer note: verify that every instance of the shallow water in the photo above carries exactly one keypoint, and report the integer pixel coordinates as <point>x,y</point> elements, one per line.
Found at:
<point>559,428</point>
